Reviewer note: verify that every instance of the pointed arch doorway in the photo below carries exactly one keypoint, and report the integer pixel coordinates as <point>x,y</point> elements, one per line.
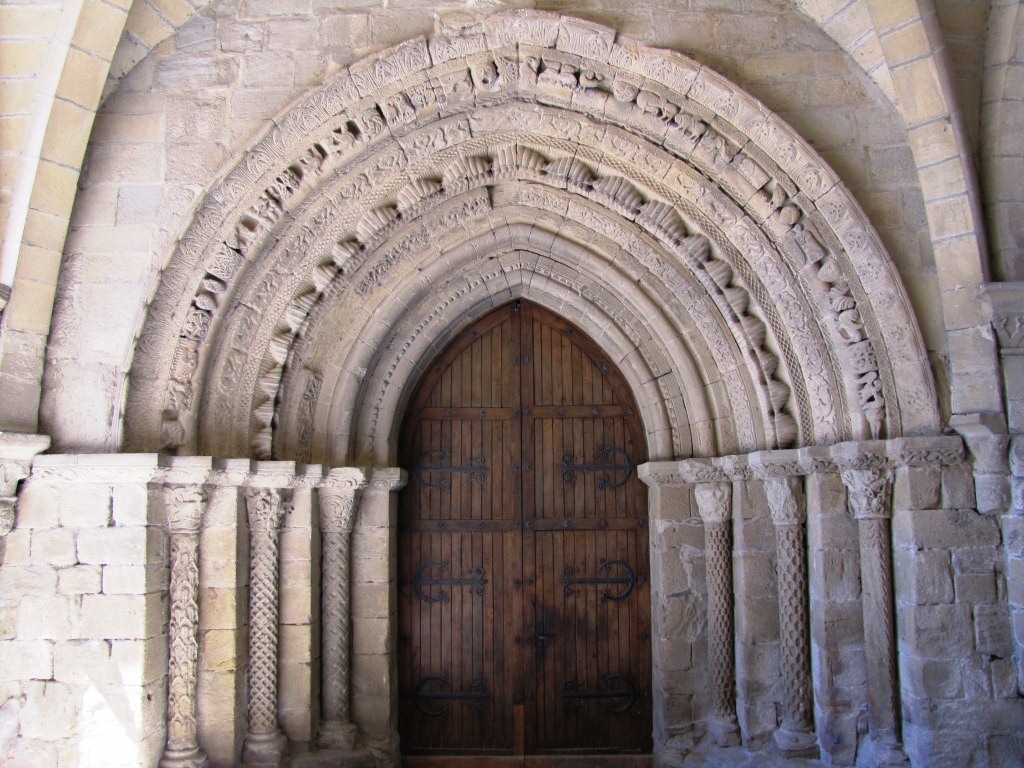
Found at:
<point>524,597</point>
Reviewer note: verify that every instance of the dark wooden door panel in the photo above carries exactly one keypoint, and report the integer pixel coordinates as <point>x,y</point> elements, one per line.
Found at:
<point>524,607</point>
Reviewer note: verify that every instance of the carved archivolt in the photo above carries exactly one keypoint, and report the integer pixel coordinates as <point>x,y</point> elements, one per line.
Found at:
<point>665,205</point>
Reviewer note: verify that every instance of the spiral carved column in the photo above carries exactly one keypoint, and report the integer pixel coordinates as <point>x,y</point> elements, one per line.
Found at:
<point>264,742</point>
<point>714,502</point>
<point>184,507</point>
<point>869,491</point>
<point>795,736</point>
<point>337,497</point>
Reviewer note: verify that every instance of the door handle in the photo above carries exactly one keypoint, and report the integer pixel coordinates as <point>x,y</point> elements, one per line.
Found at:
<point>541,639</point>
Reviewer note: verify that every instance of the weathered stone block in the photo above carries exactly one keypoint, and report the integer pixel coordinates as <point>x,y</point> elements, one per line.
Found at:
<point>79,580</point>
<point>992,631</point>
<point>222,608</point>
<point>126,617</point>
<point>50,711</point>
<point>932,679</point>
<point>371,674</point>
<point>134,579</point>
<point>20,581</point>
<point>923,577</point>
<point>135,545</point>
<point>54,546</point>
<point>945,528</point>
<point>26,660</point>
<point>835,575</point>
<point>975,588</point>
<point>130,505</point>
<point>47,617</point>
<point>38,506</point>
<point>937,631</point>
<point>958,487</point>
<point>917,488</point>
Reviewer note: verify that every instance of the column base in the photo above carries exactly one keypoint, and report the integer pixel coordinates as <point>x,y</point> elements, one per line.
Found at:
<point>791,743</point>
<point>724,730</point>
<point>874,754</point>
<point>264,749</point>
<point>337,735</point>
<point>184,758</point>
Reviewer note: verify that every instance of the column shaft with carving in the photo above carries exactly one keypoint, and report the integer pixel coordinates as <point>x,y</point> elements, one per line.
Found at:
<point>184,506</point>
<point>337,518</point>
<point>869,492</point>
<point>714,501</point>
<point>795,736</point>
<point>264,742</point>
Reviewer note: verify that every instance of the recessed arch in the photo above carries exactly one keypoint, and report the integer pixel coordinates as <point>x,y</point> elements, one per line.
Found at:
<point>380,177</point>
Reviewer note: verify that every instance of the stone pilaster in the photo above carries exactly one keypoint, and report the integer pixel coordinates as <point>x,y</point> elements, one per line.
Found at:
<point>795,736</point>
<point>337,497</point>
<point>868,481</point>
<point>265,744</point>
<point>714,503</point>
<point>184,508</point>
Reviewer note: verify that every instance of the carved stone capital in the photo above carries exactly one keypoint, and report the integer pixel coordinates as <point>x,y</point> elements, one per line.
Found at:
<point>337,509</point>
<point>184,507</point>
<point>786,501</point>
<point>16,453</point>
<point>7,507</point>
<point>870,492</point>
<point>714,502</point>
<point>265,508</point>
<point>1007,306</point>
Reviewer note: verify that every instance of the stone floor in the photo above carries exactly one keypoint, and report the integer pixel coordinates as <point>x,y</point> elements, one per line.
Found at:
<point>710,756</point>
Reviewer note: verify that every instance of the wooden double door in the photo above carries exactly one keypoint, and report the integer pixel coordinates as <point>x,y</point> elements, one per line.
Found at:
<point>524,608</point>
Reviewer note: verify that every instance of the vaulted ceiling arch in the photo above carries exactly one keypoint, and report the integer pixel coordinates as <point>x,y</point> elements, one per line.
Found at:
<point>601,139</point>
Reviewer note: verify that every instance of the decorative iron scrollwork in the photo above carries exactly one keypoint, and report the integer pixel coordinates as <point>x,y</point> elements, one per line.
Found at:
<point>476,468</point>
<point>475,581</point>
<point>629,579</point>
<point>612,460</point>
<point>627,694</point>
<point>476,697</point>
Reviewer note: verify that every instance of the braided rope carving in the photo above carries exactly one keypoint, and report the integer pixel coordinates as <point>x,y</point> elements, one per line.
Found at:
<point>265,515</point>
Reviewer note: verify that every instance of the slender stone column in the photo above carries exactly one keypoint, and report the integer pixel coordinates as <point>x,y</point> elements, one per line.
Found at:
<point>337,497</point>
<point>870,492</point>
<point>264,742</point>
<point>714,502</point>
<point>795,736</point>
<point>184,507</point>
